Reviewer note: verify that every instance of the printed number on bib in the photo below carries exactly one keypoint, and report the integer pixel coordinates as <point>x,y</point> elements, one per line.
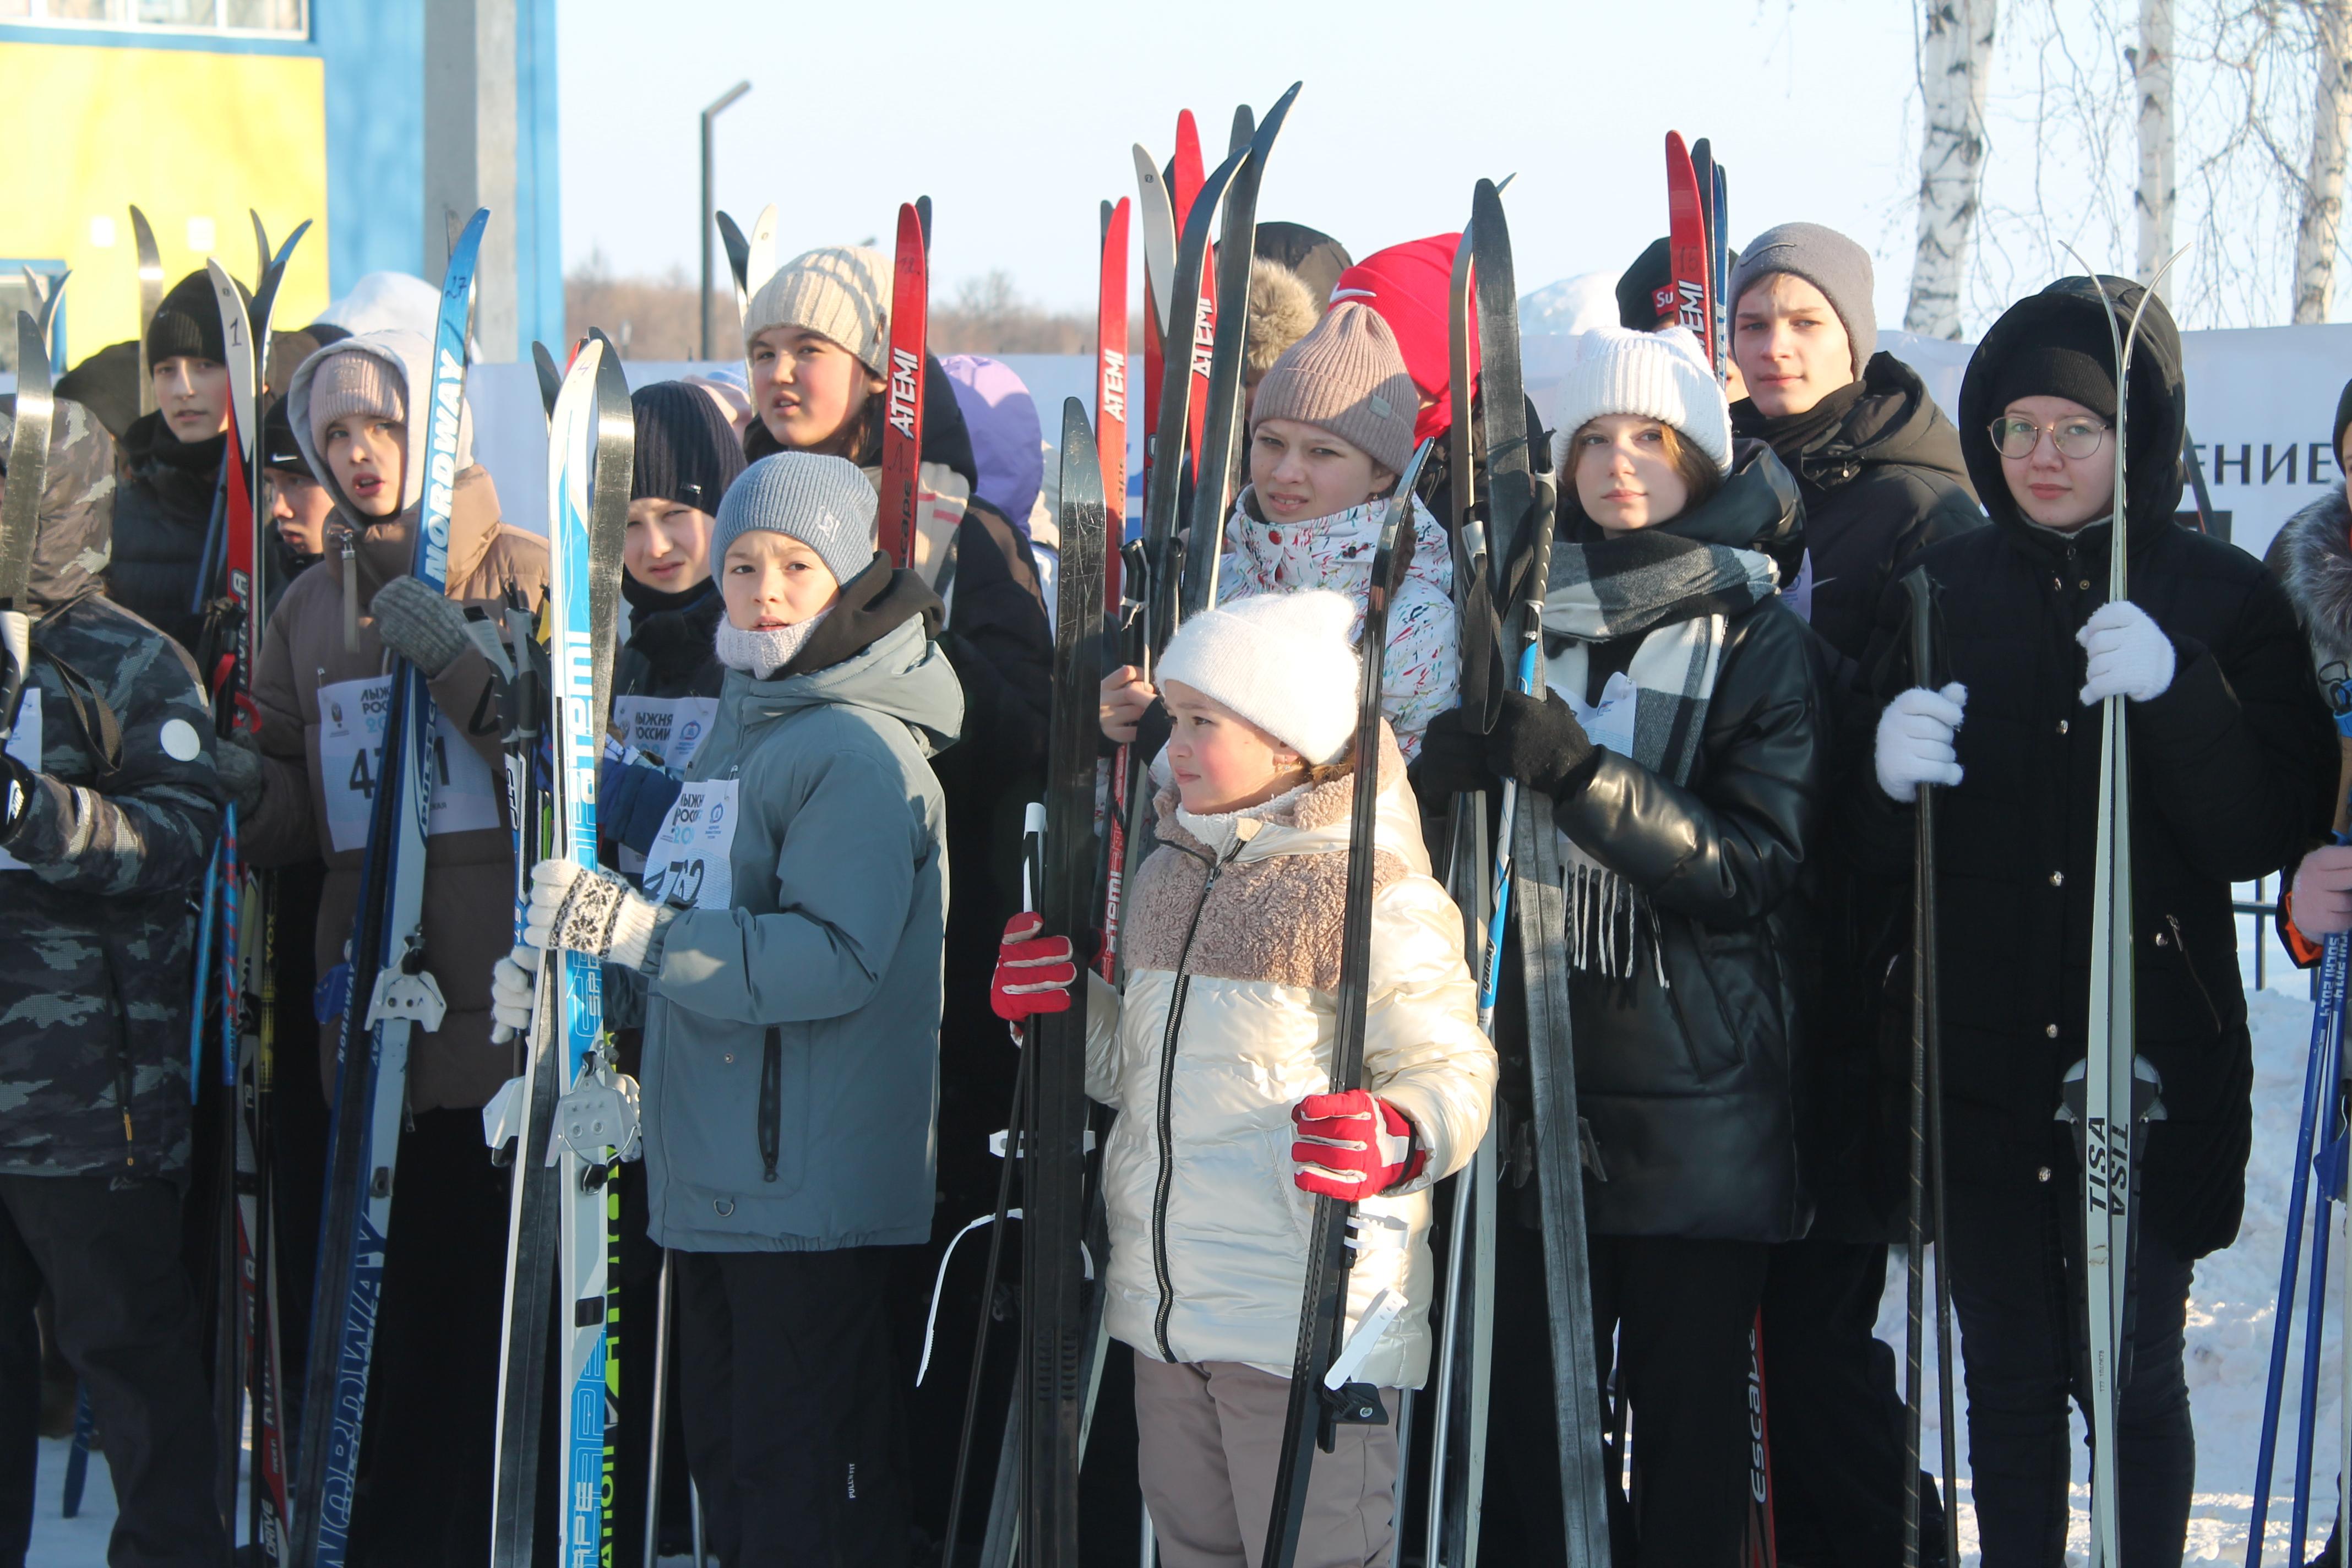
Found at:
<point>688,867</point>
<point>25,745</point>
<point>351,766</point>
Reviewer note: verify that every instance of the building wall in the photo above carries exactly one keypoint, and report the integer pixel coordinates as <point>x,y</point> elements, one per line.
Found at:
<point>195,126</point>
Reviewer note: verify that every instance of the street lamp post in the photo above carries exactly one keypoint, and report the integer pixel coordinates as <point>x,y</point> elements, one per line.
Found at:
<point>710,201</point>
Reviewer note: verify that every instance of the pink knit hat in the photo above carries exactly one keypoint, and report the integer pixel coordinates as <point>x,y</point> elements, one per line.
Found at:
<point>354,382</point>
<point>1346,376</point>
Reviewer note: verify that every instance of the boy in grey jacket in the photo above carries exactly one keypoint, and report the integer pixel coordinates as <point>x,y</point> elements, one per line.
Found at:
<point>790,933</point>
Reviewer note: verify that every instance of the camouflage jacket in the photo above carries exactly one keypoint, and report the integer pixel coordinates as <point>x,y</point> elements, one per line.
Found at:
<point>96,929</point>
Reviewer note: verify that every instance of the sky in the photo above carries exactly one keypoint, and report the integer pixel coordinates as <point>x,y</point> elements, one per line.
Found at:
<point>1016,117</point>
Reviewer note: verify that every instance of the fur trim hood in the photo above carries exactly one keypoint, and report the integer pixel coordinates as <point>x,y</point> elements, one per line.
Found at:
<point>1282,310</point>
<point>2313,557</point>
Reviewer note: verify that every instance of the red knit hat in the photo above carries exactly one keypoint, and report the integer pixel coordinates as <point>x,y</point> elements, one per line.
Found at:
<point>1408,284</point>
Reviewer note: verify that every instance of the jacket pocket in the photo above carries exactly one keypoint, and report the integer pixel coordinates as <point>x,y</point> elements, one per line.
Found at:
<point>1739,974</point>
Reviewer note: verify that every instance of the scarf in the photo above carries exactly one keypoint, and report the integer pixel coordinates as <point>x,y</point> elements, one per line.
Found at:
<point>761,652</point>
<point>645,600</point>
<point>1678,596</point>
<point>1791,435</point>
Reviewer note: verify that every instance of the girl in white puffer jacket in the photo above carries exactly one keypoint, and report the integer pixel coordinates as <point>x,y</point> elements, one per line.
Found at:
<point>1217,1057</point>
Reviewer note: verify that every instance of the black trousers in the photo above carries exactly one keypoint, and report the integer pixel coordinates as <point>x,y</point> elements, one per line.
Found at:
<point>2015,1256</point>
<point>1836,1406</point>
<point>426,1455</point>
<point>127,1321</point>
<point>793,1424</point>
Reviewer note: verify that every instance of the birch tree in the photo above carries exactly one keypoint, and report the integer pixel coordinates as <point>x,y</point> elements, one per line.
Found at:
<point>2322,219</point>
<point>2152,199</point>
<point>1955,59</point>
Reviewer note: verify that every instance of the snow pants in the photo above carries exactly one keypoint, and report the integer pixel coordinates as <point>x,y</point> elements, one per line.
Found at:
<point>2017,1291</point>
<point>1208,1441</point>
<point>791,1408</point>
<point>127,1323</point>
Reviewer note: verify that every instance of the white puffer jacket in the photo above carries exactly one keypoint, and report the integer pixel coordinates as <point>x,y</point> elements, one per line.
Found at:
<point>1208,1232</point>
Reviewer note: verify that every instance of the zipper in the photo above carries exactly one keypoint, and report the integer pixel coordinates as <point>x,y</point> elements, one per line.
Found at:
<point>2180,945</point>
<point>350,591</point>
<point>1165,1183</point>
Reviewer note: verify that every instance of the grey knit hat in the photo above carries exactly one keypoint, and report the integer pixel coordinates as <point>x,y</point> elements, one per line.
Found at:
<point>1829,261</point>
<point>1346,376</point>
<point>823,501</point>
<point>348,384</point>
<point>842,291</point>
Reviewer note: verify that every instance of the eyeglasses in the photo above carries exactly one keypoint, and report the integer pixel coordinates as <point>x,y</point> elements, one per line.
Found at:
<point>2014,437</point>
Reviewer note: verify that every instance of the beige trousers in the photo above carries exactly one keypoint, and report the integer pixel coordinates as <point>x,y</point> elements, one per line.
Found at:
<point>1209,1439</point>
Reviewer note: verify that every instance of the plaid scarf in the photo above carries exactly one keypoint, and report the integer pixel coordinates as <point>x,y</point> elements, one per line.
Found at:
<point>1677,595</point>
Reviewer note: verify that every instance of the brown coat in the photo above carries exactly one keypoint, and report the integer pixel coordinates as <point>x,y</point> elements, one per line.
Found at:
<point>470,876</point>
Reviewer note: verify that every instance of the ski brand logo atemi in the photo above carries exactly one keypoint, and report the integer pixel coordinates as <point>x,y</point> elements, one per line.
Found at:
<point>1114,384</point>
<point>1693,313</point>
<point>903,367</point>
<point>1205,339</point>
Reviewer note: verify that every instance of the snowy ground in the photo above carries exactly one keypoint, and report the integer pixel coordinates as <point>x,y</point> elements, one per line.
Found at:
<point>2229,1321</point>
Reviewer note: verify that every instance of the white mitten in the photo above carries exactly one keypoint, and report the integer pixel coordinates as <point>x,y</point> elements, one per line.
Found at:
<point>514,993</point>
<point>594,913</point>
<point>2129,654</point>
<point>1914,741</point>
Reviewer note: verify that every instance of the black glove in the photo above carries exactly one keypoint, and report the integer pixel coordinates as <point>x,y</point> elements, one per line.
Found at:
<point>1453,758</point>
<point>1538,742</point>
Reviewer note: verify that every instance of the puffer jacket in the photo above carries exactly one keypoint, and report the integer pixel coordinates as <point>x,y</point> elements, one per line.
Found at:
<point>469,871</point>
<point>1423,675</point>
<point>792,1046</point>
<point>162,512</point>
<point>2233,768</point>
<point>1228,1019</point>
<point>1687,1080</point>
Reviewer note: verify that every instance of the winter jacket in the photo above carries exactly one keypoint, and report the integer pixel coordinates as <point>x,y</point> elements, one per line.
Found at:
<point>305,686</point>
<point>2312,556</point>
<point>1228,1019</point>
<point>791,1032</point>
<point>98,873</point>
<point>2232,769</point>
<point>1423,675</point>
<point>163,514</point>
<point>1687,1081</point>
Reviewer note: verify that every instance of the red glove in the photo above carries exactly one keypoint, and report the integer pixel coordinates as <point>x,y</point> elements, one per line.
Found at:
<point>1352,1145</point>
<point>1034,972</point>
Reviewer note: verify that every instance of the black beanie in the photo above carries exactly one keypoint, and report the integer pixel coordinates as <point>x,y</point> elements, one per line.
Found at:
<point>686,451</point>
<point>2074,357</point>
<point>279,448</point>
<point>2343,415</point>
<point>188,321</point>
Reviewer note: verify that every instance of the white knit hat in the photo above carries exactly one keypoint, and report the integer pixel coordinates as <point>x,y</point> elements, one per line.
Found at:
<point>1661,375</point>
<point>841,291</point>
<point>1283,662</point>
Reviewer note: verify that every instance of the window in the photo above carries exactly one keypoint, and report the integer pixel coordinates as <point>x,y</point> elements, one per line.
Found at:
<point>277,18</point>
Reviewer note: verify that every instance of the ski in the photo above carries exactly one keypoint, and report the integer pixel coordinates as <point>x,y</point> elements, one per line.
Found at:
<point>1185,185</point>
<point>902,429</point>
<point>1686,301</point>
<point>1323,1396</point>
<point>1158,221</point>
<point>1220,441</point>
<point>1702,157</point>
<point>388,971</point>
<point>1110,425</point>
<point>150,300</point>
<point>1053,1196</point>
<point>20,511</point>
<point>1718,232</point>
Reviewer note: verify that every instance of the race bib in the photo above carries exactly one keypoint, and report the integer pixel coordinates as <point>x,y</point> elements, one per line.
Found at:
<point>688,867</point>
<point>351,765</point>
<point>25,745</point>
<point>669,728</point>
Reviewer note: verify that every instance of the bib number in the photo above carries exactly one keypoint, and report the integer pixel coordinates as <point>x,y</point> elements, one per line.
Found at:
<point>351,766</point>
<point>689,866</point>
<point>670,729</point>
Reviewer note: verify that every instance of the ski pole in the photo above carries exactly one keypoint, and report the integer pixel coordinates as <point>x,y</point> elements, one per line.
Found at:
<point>660,1410</point>
<point>2327,1165</point>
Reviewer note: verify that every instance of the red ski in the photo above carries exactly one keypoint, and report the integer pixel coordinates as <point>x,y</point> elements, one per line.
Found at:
<point>1110,445</point>
<point>1688,298</point>
<point>902,432</point>
<point>1182,189</point>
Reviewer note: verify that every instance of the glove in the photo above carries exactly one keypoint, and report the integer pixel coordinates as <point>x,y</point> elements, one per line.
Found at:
<point>420,624</point>
<point>237,761</point>
<point>1034,972</point>
<point>1352,1146</point>
<point>1914,741</point>
<point>594,913</point>
<point>633,801</point>
<point>1538,741</point>
<point>2323,892</point>
<point>1453,758</point>
<point>2129,654</point>
<point>514,992</point>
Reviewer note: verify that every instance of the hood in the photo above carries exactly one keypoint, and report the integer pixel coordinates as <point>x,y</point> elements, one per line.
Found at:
<point>1000,421</point>
<point>1757,509</point>
<point>2156,405</point>
<point>73,535</point>
<point>902,676</point>
<point>410,354</point>
<point>947,440</point>
<point>2313,557</point>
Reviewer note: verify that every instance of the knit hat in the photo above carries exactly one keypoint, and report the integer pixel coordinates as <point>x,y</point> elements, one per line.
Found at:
<point>2343,415</point>
<point>348,384</point>
<point>842,291</point>
<point>2073,356</point>
<point>823,501</point>
<point>1829,261</point>
<point>1346,376</point>
<point>279,448</point>
<point>1283,662</point>
<point>1410,285</point>
<point>686,451</point>
<point>188,323</point>
<point>1661,375</point>
<point>1282,310</point>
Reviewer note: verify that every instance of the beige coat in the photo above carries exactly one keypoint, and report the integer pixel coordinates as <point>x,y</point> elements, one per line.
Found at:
<point>470,876</point>
<point>1197,1172</point>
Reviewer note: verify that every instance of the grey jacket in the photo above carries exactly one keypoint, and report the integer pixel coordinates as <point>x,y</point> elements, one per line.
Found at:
<point>790,1073</point>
